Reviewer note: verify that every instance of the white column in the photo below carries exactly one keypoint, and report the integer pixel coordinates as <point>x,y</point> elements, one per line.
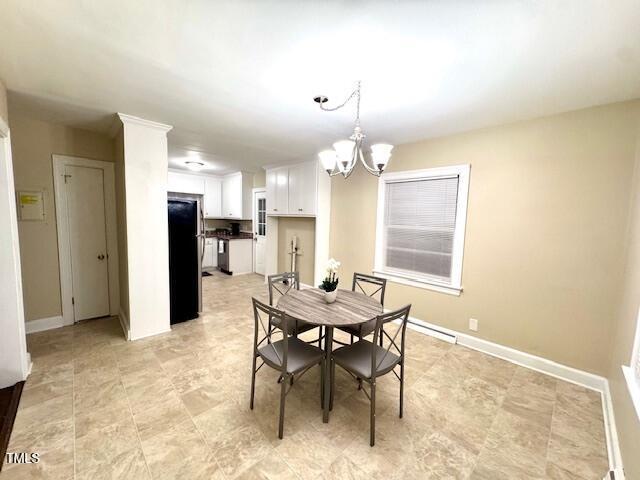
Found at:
<point>14,359</point>
<point>145,171</point>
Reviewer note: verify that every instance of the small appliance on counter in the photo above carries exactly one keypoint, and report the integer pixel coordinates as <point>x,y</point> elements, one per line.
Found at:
<point>235,228</point>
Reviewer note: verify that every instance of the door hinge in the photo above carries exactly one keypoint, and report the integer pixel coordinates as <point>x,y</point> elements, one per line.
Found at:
<point>73,301</point>
<point>65,177</point>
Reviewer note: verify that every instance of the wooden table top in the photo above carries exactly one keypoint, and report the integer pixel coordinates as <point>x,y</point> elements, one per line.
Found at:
<point>350,308</point>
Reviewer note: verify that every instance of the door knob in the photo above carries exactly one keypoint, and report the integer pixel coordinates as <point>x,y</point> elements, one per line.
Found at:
<point>101,257</point>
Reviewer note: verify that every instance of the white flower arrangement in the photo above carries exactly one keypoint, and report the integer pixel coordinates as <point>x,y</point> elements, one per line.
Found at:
<point>330,282</point>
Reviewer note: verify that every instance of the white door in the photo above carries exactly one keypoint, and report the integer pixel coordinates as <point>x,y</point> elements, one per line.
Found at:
<point>88,241</point>
<point>259,230</point>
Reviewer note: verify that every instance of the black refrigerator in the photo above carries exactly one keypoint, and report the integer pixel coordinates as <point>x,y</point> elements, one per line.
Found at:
<point>186,243</point>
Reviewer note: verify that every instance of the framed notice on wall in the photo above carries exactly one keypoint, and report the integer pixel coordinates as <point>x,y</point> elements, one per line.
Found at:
<point>30,205</point>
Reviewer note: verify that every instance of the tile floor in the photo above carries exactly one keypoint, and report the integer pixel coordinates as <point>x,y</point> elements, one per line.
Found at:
<point>177,406</point>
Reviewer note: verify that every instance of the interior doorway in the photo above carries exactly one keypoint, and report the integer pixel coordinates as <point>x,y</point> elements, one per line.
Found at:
<point>87,242</point>
<point>259,229</point>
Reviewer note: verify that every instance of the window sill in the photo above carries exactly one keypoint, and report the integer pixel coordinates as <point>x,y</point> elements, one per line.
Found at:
<point>634,388</point>
<point>419,283</point>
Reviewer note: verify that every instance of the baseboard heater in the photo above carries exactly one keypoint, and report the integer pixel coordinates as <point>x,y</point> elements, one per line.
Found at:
<point>431,330</point>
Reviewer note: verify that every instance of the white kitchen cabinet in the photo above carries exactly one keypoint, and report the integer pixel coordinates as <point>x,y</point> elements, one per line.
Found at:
<point>236,196</point>
<point>185,183</point>
<point>212,197</point>
<point>278,191</point>
<point>302,189</point>
<point>210,259</point>
<point>293,190</point>
<point>241,256</point>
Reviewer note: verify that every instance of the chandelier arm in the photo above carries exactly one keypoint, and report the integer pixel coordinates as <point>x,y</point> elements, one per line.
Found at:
<point>372,171</point>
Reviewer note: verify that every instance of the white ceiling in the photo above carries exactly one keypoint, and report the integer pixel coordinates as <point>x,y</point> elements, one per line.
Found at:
<point>236,78</point>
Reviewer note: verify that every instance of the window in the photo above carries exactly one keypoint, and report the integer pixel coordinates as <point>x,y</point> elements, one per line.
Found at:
<point>420,227</point>
<point>632,372</point>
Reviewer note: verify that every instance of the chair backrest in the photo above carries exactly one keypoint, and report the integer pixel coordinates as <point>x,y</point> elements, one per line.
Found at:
<point>401,314</point>
<point>264,315</point>
<point>369,285</point>
<point>281,283</point>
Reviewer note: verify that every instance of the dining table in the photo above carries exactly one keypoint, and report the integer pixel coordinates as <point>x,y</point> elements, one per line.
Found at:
<point>350,308</point>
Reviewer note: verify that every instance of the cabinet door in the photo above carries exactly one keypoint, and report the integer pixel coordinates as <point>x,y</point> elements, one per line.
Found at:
<point>212,197</point>
<point>185,183</point>
<point>302,189</point>
<point>278,191</point>
<point>232,197</point>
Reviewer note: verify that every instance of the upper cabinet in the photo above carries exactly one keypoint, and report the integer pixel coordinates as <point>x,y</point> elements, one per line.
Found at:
<point>185,183</point>
<point>278,191</point>
<point>292,190</point>
<point>223,197</point>
<point>236,196</point>
<point>212,197</point>
<point>303,189</point>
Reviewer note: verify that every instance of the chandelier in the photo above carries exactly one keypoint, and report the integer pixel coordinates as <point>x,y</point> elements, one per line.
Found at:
<point>346,153</point>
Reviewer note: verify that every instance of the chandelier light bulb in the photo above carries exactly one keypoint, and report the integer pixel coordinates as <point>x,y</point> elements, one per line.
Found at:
<point>344,149</point>
<point>328,159</point>
<point>380,155</point>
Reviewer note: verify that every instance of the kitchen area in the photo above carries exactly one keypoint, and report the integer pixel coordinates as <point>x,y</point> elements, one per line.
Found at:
<point>264,223</point>
<point>210,229</point>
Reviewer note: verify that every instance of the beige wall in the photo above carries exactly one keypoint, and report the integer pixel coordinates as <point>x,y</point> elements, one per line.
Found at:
<point>33,142</point>
<point>121,216</point>
<point>4,112</point>
<point>624,330</point>
<point>546,223</point>
<point>305,230</point>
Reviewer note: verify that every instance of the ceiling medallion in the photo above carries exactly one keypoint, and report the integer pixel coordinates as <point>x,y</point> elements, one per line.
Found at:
<point>346,153</point>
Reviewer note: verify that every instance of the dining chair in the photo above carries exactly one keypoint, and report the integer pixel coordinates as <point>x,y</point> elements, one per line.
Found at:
<point>367,361</point>
<point>373,287</point>
<point>281,284</point>
<point>290,356</point>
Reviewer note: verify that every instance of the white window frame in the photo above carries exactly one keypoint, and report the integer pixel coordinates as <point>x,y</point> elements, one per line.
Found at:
<point>422,281</point>
<point>632,381</point>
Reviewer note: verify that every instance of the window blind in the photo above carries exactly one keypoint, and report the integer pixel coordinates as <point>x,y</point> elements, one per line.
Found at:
<point>419,228</point>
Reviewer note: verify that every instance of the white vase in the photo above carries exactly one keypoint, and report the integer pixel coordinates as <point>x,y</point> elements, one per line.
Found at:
<point>330,297</point>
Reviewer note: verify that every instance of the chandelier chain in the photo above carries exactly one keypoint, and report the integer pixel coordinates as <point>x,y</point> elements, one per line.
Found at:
<point>355,93</point>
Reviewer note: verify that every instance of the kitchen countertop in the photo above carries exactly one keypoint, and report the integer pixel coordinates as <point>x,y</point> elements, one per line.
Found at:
<point>226,236</point>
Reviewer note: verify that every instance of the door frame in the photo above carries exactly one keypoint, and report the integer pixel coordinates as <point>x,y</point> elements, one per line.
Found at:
<point>254,191</point>
<point>64,243</point>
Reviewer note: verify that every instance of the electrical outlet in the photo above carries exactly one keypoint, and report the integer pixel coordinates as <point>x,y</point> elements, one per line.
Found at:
<point>473,324</point>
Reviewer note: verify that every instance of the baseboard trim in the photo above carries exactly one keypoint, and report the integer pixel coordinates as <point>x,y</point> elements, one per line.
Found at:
<point>124,323</point>
<point>42,324</point>
<point>542,365</point>
<point>150,335</point>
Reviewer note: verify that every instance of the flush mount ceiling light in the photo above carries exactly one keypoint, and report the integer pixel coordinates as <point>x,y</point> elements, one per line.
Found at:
<point>345,154</point>
<point>194,165</point>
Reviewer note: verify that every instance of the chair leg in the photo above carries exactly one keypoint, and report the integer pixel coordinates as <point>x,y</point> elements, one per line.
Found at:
<point>372,427</point>
<point>253,381</point>
<point>333,383</point>
<point>381,337</point>
<point>352,339</point>
<point>401,387</point>
<point>322,374</point>
<point>283,391</point>
<point>320,337</point>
